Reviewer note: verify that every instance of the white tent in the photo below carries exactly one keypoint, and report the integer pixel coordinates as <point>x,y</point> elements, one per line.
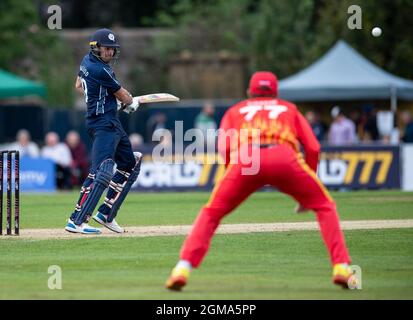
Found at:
<point>344,74</point>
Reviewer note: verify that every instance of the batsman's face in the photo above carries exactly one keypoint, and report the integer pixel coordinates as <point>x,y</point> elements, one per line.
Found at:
<point>107,53</point>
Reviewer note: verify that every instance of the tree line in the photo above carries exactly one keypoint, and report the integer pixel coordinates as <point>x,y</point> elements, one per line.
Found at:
<point>283,36</point>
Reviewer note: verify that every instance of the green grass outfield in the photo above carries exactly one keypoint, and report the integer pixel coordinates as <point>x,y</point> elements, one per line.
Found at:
<point>52,211</point>
<point>279,265</point>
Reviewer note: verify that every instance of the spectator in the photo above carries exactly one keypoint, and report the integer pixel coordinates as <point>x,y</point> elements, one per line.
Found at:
<point>157,121</point>
<point>59,153</point>
<point>408,129</point>
<point>342,130</point>
<point>205,122</point>
<point>368,124</point>
<point>136,141</point>
<point>315,123</point>
<point>356,117</point>
<point>80,163</point>
<point>366,138</point>
<point>386,127</point>
<point>24,145</point>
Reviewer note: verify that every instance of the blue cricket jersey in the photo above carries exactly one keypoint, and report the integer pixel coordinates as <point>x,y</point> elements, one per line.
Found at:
<point>99,83</point>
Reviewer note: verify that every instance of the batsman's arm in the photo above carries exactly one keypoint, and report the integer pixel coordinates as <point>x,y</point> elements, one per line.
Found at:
<point>78,85</point>
<point>124,96</point>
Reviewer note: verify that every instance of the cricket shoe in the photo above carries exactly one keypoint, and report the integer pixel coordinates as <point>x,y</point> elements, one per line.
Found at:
<point>342,276</point>
<point>113,226</point>
<point>84,228</point>
<point>178,278</point>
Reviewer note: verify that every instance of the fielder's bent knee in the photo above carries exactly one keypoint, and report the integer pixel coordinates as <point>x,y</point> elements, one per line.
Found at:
<point>327,206</point>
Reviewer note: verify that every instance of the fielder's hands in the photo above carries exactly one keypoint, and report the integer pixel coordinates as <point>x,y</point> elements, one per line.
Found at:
<point>300,209</point>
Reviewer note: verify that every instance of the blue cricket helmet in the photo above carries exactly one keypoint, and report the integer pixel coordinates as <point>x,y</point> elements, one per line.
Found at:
<point>104,38</point>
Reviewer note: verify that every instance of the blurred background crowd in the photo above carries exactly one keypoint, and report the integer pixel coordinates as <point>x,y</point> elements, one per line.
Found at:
<point>201,51</point>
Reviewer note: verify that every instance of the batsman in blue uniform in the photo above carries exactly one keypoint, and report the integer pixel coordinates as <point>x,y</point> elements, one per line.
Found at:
<point>104,97</point>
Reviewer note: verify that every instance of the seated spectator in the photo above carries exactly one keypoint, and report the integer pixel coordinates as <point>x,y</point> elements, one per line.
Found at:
<point>386,127</point>
<point>368,122</point>
<point>59,153</point>
<point>315,123</point>
<point>24,145</point>
<point>155,122</point>
<point>356,117</point>
<point>366,138</point>
<point>342,130</point>
<point>205,122</point>
<point>407,121</point>
<point>80,163</point>
<point>136,141</point>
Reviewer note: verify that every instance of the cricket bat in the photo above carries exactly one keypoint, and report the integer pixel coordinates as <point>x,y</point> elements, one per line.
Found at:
<point>157,97</point>
<point>150,98</point>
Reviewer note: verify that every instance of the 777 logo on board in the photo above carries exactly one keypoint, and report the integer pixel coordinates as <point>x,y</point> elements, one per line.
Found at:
<point>352,167</point>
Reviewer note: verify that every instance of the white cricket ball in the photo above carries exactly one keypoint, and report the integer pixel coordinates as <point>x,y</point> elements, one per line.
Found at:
<point>376,32</point>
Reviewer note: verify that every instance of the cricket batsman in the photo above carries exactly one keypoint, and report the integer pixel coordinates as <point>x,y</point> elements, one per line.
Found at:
<point>278,129</point>
<point>104,96</point>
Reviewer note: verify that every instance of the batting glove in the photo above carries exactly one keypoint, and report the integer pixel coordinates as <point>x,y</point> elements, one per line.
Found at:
<point>133,106</point>
<point>120,104</point>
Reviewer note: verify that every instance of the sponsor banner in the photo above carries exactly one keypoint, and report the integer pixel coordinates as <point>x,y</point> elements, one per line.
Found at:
<point>361,167</point>
<point>198,173</point>
<point>37,175</point>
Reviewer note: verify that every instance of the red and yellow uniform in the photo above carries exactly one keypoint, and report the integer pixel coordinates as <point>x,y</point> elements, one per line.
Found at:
<point>275,130</point>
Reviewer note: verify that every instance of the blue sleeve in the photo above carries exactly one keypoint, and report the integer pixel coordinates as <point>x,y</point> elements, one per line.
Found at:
<point>108,80</point>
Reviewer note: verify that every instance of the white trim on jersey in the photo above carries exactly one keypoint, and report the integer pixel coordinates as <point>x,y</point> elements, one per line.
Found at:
<point>117,82</point>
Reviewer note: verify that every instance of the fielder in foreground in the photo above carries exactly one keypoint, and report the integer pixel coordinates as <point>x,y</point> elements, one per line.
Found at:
<point>104,96</point>
<point>280,127</point>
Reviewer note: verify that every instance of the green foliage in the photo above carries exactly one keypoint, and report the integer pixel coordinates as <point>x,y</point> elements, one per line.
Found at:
<point>33,51</point>
<point>286,36</point>
<point>283,35</point>
<point>278,35</point>
<point>394,49</point>
<point>210,25</point>
<point>16,19</point>
<point>56,69</point>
